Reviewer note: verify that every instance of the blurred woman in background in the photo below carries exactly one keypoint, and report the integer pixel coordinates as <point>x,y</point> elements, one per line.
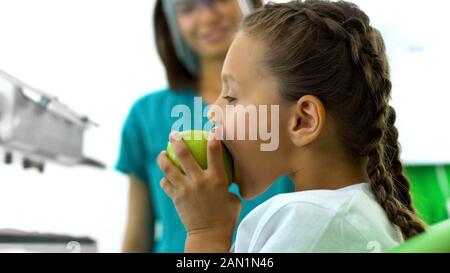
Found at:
<point>192,38</point>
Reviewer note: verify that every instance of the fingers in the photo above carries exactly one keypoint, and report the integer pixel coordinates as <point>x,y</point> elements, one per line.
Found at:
<point>168,187</point>
<point>184,156</point>
<point>171,172</point>
<point>215,157</point>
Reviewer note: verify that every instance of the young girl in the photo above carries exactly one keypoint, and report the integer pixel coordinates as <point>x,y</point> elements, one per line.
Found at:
<point>207,28</point>
<point>326,68</point>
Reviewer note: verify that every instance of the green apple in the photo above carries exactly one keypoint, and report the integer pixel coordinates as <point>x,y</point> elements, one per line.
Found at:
<point>197,143</point>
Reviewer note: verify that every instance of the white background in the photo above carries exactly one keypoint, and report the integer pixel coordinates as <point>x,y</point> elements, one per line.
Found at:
<point>417,40</point>
<point>98,56</point>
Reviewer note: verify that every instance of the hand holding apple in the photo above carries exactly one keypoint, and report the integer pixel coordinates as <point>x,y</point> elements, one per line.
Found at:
<point>197,143</point>
<point>200,193</point>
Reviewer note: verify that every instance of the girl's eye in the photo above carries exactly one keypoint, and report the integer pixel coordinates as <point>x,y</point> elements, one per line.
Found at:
<point>229,99</point>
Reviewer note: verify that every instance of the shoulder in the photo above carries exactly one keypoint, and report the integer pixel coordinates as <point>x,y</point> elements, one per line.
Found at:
<point>291,206</point>
<point>161,96</point>
<point>333,201</point>
<point>159,102</point>
<point>295,221</point>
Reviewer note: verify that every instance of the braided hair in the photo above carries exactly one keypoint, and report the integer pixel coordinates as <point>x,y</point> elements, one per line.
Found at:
<point>330,50</point>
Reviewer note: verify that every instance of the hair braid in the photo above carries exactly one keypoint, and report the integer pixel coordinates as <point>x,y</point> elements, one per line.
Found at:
<point>328,49</point>
<point>388,183</point>
<point>395,167</point>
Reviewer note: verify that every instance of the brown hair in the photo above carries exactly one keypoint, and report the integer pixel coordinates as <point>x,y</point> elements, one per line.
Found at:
<point>178,76</point>
<point>330,50</point>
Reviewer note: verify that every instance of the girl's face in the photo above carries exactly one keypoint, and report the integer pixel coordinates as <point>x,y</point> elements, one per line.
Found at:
<point>208,29</point>
<point>245,84</point>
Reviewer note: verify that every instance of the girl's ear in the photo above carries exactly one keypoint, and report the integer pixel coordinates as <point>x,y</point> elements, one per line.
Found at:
<point>306,121</point>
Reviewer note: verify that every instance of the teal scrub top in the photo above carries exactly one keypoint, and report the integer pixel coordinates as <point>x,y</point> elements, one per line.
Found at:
<point>144,135</point>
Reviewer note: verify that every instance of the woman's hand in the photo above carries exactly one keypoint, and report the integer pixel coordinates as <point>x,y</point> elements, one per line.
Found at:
<point>208,211</point>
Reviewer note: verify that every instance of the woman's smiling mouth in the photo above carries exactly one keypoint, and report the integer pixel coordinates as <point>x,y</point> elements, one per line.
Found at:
<point>215,35</point>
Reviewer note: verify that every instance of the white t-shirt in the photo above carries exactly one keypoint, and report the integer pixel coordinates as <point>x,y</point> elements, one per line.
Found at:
<point>344,220</point>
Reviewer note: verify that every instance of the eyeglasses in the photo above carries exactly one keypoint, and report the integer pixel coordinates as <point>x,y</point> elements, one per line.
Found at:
<point>187,7</point>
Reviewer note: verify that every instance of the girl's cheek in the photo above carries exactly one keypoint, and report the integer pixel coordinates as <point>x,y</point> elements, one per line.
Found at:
<point>222,117</point>
<point>229,123</point>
